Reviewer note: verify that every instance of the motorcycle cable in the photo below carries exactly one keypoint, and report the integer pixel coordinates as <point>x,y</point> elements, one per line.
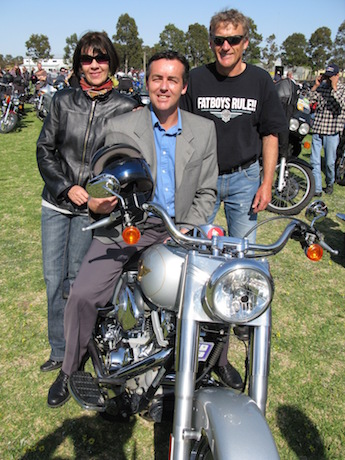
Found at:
<point>271,219</point>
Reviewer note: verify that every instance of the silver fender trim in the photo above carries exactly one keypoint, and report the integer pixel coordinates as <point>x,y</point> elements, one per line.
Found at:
<point>234,425</point>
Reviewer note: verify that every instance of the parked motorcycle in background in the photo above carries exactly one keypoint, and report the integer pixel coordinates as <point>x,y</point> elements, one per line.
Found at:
<point>294,184</point>
<point>133,89</point>
<point>43,100</point>
<point>45,95</point>
<point>12,107</point>
<point>157,342</point>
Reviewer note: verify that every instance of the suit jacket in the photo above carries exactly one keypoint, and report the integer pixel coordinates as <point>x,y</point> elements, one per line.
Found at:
<point>196,166</point>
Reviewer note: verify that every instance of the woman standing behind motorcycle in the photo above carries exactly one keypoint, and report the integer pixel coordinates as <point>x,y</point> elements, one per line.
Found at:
<point>72,132</point>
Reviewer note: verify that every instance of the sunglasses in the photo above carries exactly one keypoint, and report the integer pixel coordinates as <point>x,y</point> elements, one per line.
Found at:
<point>85,59</point>
<point>232,40</point>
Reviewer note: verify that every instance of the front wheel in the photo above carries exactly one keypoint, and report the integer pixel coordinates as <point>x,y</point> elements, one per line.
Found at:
<point>9,124</point>
<point>298,189</point>
<point>201,450</point>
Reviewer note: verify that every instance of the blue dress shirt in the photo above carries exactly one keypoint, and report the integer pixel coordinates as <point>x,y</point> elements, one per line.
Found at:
<point>165,142</point>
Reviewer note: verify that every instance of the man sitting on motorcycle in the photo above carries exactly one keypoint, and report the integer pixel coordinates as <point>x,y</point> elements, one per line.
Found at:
<point>180,149</point>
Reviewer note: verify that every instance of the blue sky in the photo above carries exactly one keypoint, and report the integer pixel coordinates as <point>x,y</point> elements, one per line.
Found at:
<point>60,19</point>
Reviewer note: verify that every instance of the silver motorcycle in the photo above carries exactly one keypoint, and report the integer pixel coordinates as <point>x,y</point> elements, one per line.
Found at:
<point>43,100</point>
<point>11,107</point>
<point>156,344</point>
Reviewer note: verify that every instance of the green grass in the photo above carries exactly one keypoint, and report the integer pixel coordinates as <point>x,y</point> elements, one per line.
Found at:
<point>306,395</point>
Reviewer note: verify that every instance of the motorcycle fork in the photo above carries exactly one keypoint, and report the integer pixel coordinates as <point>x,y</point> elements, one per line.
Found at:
<point>281,178</point>
<point>259,360</point>
<point>8,110</point>
<point>187,341</point>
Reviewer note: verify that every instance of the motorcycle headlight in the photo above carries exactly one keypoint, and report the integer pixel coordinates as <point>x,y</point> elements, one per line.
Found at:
<point>238,292</point>
<point>294,124</point>
<point>303,129</point>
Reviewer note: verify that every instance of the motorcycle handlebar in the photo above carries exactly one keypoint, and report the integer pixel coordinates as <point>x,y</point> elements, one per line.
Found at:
<point>240,245</point>
<point>218,242</point>
<point>327,248</point>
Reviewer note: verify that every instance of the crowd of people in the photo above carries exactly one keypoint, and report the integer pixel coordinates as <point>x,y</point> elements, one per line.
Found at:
<point>327,100</point>
<point>227,114</point>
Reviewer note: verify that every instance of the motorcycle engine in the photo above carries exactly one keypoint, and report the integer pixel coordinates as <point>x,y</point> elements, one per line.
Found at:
<point>131,331</point>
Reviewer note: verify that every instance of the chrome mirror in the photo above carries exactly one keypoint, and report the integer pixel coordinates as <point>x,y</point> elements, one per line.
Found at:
<point>316,211</point>
<point>103,186</point>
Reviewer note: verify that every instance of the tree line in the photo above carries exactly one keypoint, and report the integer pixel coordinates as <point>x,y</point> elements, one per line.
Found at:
<point>295,51</point>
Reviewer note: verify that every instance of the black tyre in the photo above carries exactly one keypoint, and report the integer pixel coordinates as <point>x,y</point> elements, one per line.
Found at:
<point>10,124</point>
<point>340,170</point>
<point>298,191</point>
<point>201,450</point>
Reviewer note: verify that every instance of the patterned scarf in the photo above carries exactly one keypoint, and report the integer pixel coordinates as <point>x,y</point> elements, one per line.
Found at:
<point>94,91</point>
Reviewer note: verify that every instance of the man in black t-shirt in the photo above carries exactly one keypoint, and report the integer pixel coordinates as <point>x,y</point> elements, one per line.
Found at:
<point>242,101</point>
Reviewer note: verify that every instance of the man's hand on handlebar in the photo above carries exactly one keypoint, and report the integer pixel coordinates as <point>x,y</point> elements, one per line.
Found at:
<point>102,205</point>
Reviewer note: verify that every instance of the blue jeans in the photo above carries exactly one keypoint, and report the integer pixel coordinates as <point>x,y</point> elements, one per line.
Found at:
<point>64,245</point>
<point>330,144</point>
<point>237,191</point>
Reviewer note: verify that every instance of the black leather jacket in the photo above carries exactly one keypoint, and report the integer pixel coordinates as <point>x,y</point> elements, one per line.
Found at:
<point>72,132</point>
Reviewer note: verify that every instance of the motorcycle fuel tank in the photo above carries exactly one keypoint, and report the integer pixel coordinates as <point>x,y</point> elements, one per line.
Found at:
<point>159,275</point>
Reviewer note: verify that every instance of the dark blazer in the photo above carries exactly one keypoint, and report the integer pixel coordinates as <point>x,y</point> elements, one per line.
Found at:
<point>196,166</point>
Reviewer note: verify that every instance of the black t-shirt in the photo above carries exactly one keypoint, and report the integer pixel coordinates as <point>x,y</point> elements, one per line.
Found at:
<point>244,108</point>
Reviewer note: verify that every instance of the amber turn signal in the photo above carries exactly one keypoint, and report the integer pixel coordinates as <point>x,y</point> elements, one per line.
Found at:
<point>131,235</point>
<point>314,252</point>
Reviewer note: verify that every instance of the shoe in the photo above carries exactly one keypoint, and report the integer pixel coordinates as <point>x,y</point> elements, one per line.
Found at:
<point>50,365</point>
<point>318,194</point>
<point>229,376</point>
<point>329,189</point>
<point>58,393</point>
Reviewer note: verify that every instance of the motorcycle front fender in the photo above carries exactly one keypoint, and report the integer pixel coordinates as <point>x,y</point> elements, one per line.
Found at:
<point>234,425</point>
<point>301,162</point>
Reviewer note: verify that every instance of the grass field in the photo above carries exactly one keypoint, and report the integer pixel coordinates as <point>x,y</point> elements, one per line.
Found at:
<point>306,395</point>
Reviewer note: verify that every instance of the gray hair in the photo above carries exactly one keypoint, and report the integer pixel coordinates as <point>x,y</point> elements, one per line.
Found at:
<point>233,17</point>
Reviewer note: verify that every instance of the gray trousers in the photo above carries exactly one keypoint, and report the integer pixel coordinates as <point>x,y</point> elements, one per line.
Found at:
<point>94,287</point>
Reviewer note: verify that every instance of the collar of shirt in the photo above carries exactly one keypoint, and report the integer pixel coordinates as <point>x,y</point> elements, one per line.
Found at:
<point>174,130</point>
<point>165,143</point>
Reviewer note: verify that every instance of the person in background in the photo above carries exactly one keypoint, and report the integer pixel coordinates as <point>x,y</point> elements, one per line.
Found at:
<point>288,95</point>
<point>73,130</point>
<point>277,76</point>
<point>40,76</point>
<point>18,81</point>
<point>242,101</point>
<point>26,77</point>
<point>61,79</point>
<point>329,96</point>
<point>175,144</point>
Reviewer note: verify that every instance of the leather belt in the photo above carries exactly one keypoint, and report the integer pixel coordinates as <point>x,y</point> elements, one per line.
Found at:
<point>241,167</point>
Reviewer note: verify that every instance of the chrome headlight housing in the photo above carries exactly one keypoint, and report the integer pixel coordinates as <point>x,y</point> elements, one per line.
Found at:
<point>304,129</point>
<point>238,292</point>
<point>294,124</point>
